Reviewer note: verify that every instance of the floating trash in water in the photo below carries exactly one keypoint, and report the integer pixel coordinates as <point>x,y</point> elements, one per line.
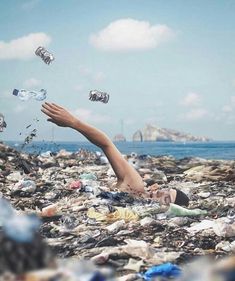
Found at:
<point>3,124</point>
<point>98,96</point>
<point>44,55</point>
<point>25,95</point>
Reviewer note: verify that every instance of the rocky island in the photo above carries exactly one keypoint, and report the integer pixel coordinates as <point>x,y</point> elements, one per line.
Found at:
<point>154,133</point>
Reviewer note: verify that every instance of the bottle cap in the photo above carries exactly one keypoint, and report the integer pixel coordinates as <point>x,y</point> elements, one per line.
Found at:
<point>15,92</point>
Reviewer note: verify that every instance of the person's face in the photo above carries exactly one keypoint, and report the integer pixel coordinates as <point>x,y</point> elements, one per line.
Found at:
<point>163,196</point>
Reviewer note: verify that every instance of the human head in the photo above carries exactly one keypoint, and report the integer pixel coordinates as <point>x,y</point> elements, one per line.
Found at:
<point>167,196</point>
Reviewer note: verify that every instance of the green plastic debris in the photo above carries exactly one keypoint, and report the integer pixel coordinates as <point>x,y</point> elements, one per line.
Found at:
<point>88,176</point>
<point>179,211</point>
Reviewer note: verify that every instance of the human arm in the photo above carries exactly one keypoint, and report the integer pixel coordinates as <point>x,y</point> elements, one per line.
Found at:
<point>125,173</point>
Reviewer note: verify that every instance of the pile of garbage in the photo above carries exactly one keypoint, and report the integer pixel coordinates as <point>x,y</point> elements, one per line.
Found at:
<point>85,218</point>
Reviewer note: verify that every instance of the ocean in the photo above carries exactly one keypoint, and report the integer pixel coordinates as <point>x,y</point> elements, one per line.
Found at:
<point>207,150</point>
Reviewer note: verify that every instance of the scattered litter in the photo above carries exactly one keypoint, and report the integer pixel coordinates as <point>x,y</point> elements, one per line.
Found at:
<point>179,211</point>
<point>75,185</point>
<point>134,265</point>
<point>203,225</point>
<point>98,96</point>
<point>116,226</point>
<point>167,270</point>
<point>119,214</point>
<point>44,55</point>
<point>30,137</point>
<point>224,228</point>
<point>50,211</point>
<point>25,185</point>
<point>25,95</point>
<point>84,216</point>
<point>46,154</point>
<point>3,124</point>
<point>88,176</point>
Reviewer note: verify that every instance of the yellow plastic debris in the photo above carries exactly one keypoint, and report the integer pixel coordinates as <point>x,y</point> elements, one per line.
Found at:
<point>120,214</point>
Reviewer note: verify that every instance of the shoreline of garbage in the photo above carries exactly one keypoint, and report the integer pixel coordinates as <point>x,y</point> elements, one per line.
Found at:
<point>85,216</point>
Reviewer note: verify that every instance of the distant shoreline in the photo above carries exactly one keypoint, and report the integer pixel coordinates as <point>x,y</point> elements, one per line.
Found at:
<point>208,150</point>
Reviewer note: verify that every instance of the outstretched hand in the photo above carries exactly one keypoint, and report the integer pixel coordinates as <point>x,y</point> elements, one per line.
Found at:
<point>58,115</point>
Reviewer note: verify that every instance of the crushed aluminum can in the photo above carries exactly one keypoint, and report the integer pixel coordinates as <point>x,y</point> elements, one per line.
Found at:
<point>44,55</point>
<point>3,124</point>
<point>96,95</point>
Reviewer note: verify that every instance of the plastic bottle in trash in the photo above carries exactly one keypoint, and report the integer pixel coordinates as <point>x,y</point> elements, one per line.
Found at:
<point>25,95</point>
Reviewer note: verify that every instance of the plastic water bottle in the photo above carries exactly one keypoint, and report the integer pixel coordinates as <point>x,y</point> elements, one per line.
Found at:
<point>25,95</point>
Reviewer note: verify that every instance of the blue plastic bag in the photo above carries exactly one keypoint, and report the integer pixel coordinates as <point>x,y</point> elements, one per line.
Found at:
<point>168,270</point>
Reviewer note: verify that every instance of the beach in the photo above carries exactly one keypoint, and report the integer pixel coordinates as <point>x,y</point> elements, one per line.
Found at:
<point>95,221</point>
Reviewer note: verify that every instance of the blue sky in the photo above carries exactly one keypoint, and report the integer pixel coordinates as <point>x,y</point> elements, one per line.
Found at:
<point>169,63</point>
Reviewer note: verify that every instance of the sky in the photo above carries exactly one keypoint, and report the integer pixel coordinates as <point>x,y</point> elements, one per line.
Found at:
<point>166,63</point>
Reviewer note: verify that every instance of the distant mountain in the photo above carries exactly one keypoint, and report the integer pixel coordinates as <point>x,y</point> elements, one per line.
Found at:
<point>154,133</point>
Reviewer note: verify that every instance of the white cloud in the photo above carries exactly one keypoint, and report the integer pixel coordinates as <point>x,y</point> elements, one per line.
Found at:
<point>19,108</point>
<point>31,83</point>
<point>232,99</point>
<point>195,114</point>
<point>89,116</point>
<point>5,94</point>
<point>191,99</point>
<point>78,88</point>
<point>129,121</point>
<point>130,34</point>
<point>29,5</point>
<point>23,47</point>
<point>92,75</point>
<point>227,108</point>
<point>99,77</point>
<point>85,71</point>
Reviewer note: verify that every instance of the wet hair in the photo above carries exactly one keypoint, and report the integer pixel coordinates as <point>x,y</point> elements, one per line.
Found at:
<point>181,198</point>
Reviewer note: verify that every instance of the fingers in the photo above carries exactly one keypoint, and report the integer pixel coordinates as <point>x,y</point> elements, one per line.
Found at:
<point>57,106</point>
<point>50,108</point>
<point>48,113</point>
<point>53,105</point>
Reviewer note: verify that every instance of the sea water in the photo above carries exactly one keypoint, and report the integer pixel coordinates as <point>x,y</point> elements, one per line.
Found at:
<point>207,150</point>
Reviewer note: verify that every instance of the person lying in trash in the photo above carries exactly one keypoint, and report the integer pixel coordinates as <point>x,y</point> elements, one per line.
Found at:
<point>128,179</point>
